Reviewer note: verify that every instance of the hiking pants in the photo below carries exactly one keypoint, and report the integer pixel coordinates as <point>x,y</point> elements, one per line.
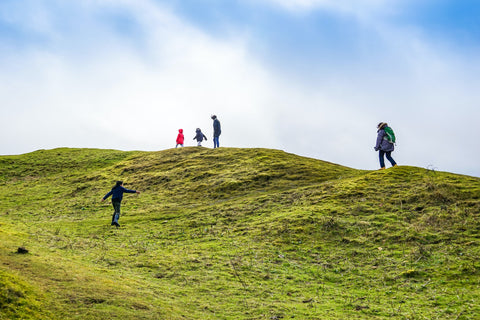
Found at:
<point>388,154</point>
<point>116,210</point>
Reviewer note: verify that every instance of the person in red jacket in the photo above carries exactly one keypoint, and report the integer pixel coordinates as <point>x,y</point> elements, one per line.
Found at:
<point>180,138</point>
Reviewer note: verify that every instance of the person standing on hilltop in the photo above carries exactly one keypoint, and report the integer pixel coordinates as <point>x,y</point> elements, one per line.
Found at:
<point>117,195</point>
<point>385,144</point>
<point>216,131</point>
<point>199,136</point>
<point>180,138</point>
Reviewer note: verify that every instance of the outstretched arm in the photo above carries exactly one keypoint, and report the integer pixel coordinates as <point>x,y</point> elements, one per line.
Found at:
<point>107,195</point>
<point>130,191</point>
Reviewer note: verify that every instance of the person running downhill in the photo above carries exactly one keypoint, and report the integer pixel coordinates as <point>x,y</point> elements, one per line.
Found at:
<point>117,195</point>
<point>384,146</point>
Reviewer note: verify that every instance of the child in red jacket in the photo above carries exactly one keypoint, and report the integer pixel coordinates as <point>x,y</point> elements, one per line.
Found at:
<point>180,138</point>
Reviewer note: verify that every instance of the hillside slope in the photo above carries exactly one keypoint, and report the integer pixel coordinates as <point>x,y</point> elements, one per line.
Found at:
<point>234,234</point>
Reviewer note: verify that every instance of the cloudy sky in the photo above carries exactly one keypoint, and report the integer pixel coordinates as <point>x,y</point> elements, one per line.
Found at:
<point>311,77</point>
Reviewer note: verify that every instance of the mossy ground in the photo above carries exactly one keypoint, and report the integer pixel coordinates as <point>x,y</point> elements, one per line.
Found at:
<point>234,234</point>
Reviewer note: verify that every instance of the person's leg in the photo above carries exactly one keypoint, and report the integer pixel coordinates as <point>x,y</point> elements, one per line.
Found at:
<point>116,205</point>
<point>114,212</point>
<point>389,158</point>
<point>117,216</point>
<point>216,143</point>
<point>381,153</point>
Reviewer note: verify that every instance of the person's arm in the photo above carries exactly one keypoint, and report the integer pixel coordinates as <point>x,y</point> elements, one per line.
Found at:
<point>380,135</point>
<point>130,191</point>
<point>107,195</point>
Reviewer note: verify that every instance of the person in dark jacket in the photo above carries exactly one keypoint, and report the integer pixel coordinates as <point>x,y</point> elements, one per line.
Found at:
<point>216,131</point>
<point>180,138</point>
<point>383,146</point>
<point>199,137</point>
<point>117,195</point>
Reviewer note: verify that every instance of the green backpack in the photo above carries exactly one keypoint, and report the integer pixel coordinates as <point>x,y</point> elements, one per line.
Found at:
<point>390,135</point>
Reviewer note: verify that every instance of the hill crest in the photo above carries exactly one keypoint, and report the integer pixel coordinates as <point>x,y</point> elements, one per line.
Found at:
<point>234,233</point>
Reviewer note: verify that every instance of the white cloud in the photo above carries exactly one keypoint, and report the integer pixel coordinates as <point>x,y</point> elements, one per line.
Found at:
<point>97,87</point>
<point>362,9</point>
<point>132,98</point>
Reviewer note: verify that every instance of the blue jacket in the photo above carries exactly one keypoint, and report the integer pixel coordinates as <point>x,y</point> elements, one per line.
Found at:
<point>382,142</point>
<point>200,136</point>
<point>216,128</point>
<point>117,193</point>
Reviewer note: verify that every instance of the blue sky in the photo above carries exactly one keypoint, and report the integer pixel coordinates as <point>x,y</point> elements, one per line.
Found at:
<point>311,77</point>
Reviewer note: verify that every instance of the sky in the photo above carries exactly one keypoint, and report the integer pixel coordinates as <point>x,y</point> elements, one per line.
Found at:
<point>310,77</point>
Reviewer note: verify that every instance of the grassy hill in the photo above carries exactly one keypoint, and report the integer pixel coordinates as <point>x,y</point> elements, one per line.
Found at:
<point>234,234</point>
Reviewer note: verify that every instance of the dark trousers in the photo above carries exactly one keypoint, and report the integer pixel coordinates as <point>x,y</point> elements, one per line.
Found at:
<point>116,210</point>
<point>388,154</point>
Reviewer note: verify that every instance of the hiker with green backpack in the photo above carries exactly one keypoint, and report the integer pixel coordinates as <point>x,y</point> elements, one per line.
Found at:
<point>385,144</point>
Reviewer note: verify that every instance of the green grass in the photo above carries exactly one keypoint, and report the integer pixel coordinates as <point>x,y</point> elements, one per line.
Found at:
<point>234,234</point>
